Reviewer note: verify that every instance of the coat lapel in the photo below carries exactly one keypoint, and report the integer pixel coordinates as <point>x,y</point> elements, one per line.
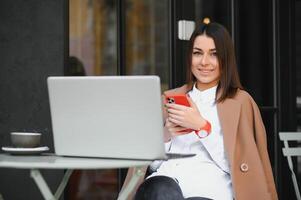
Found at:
<point>229,112</point>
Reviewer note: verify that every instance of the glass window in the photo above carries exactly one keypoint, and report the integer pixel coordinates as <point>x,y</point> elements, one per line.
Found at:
<point>93,51</point>
<point>92,35</point>
<point>147,39</point>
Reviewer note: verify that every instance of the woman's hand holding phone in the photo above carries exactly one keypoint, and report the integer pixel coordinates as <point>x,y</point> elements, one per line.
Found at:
<point>184,119</point>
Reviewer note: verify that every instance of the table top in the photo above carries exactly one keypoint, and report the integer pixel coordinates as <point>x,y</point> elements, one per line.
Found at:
<point>52,161</point>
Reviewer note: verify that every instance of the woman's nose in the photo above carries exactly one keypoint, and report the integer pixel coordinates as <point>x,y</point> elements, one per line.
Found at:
<point>205,59</point>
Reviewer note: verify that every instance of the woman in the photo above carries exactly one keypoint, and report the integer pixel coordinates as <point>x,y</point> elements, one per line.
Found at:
<point>232,162</point>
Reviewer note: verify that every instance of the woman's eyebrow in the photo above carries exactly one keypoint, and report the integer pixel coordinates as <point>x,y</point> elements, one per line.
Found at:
<point>210,50</point>
<point>195,48</point>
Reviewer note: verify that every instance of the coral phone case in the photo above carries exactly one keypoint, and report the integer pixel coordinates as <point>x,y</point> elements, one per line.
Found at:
<point>180,99</point>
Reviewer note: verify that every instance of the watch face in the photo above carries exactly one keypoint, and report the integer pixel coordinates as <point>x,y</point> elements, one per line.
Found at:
<point>202,133</point>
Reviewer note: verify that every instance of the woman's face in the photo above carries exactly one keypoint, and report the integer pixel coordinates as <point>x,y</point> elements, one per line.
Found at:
<point>204,64</point>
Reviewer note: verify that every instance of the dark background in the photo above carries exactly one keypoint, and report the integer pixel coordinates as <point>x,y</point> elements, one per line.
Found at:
<point>31,49</point>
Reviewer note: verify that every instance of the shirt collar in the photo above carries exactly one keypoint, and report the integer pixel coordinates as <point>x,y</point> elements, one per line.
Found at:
<point>207,95</point>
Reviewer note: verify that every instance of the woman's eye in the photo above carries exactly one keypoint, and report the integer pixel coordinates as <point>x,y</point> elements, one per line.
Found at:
<point>196,53</point>
<point>214,54</point>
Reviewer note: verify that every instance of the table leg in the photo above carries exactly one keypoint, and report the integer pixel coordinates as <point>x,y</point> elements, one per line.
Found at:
<point>132,183</point>
<point>42,185</point>
<point>63,183</point>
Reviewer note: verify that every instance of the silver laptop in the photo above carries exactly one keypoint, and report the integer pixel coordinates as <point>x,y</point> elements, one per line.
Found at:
<point>107,116</point>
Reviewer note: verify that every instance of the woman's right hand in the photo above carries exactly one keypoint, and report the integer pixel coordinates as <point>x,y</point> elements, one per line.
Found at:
<point>172,130</point>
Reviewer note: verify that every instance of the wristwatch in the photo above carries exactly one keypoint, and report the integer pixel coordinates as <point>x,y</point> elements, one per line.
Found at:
<point>204,131</point>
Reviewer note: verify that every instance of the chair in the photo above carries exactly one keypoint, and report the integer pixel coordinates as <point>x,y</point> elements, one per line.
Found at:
<point>289,152</point>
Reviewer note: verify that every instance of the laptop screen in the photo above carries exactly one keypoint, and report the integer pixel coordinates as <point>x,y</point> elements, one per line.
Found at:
<point>107,116</point>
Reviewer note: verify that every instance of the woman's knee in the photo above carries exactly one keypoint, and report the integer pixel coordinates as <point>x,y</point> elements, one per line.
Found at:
<point>159,188</point>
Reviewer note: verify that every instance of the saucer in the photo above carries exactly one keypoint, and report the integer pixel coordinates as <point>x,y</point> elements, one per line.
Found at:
<point>17,150</point>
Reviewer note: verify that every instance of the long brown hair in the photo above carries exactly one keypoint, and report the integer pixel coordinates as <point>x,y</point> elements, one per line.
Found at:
<point>229,80</point>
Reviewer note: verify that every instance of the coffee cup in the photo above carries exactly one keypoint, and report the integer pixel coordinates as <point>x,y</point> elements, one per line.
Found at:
<point>25,139</point>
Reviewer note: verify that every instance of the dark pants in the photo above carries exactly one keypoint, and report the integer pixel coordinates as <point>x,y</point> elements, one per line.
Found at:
<point>161,188</point>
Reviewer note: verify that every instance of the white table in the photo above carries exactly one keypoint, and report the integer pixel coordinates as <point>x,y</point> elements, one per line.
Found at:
<point>51,161</point>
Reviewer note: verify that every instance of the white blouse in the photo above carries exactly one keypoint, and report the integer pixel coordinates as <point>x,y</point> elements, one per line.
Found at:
<point>207,174</point>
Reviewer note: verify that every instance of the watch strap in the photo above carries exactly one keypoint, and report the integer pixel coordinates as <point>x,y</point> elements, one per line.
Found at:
<point>204,131</point>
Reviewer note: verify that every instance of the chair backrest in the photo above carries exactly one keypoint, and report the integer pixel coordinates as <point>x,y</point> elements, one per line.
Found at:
<point>290,151</point>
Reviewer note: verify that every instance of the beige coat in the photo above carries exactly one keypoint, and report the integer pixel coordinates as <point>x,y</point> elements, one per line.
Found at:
<point>246,146</point>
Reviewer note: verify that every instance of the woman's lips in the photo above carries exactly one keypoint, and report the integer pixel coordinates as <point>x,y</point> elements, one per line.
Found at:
<point>205,71</point>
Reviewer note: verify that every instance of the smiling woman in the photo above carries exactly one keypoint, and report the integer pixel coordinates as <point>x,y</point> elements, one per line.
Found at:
<point>233,158</point>
<point>215,45</point>
<point>204,64</point>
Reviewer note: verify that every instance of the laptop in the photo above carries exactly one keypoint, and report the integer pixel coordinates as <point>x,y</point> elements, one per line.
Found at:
<point>108,117</point>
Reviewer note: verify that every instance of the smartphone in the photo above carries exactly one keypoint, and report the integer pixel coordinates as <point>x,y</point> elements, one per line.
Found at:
<point>180,99</point>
